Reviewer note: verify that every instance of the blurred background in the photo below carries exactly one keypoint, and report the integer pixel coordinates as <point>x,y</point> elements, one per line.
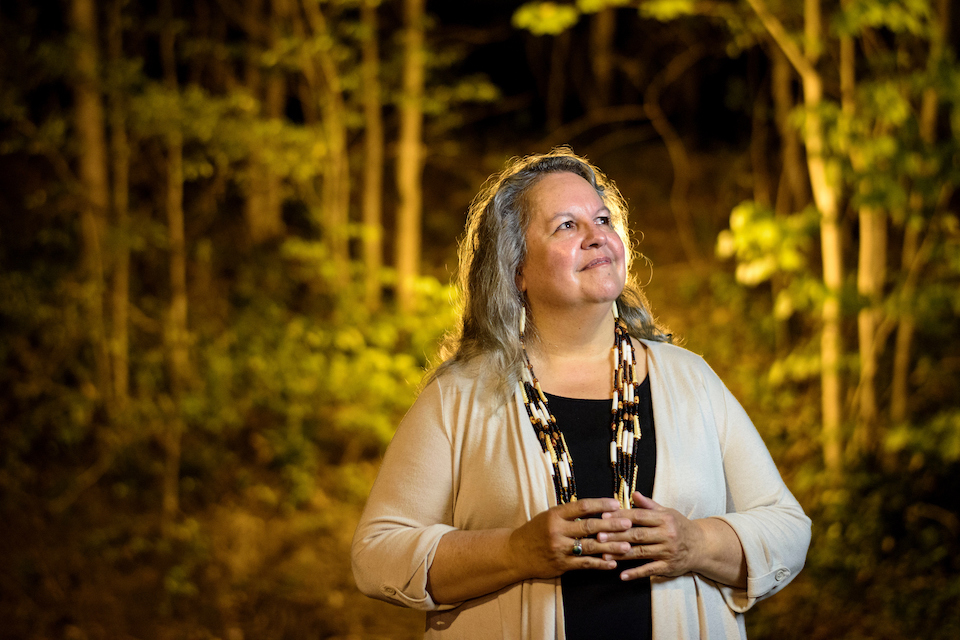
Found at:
<point>228,229</point>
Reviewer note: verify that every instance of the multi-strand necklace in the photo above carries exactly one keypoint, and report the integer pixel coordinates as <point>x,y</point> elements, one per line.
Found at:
<point>624,428</point>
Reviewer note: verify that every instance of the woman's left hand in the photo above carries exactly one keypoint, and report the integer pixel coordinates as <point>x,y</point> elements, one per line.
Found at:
<point>671,542</point>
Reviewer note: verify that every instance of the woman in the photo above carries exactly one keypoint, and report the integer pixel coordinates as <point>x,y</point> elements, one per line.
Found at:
<point>546,485</point>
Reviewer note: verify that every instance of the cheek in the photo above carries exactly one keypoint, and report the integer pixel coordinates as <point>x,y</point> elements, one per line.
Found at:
<point>619,248</point>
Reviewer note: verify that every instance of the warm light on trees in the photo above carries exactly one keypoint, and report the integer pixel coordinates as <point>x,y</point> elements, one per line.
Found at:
<point>216,305</point>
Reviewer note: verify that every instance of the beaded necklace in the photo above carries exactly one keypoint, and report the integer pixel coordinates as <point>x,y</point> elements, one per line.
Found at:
<point>624,427</point>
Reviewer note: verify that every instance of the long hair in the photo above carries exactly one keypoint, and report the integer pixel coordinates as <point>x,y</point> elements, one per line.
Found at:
<point>494,247</point>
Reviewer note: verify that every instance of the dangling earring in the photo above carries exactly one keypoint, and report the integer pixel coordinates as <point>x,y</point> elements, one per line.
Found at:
<point>523,318</point>
<point>616,311</point>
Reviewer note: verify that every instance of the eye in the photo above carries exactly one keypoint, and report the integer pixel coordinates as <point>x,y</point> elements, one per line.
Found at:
<point>566,224</point>
<point>604,220</point>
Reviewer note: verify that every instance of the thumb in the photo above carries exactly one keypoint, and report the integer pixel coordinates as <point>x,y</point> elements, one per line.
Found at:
<point>642,502</point>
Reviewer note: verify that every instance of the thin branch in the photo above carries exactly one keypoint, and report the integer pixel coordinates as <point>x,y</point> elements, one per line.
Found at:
<point>779,34</point>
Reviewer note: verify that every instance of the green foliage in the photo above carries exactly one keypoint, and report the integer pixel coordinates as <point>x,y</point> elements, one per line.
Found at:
<point>545,18</point>
<point>667,10</point>
<point>765,244</point>
<point>899,16</point>
<point>939,439</point>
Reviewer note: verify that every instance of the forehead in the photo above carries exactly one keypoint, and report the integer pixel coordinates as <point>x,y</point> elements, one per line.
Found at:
<point>559,192</point>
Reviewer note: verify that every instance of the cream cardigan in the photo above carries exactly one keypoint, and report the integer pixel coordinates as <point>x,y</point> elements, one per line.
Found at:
<point>461,461</point>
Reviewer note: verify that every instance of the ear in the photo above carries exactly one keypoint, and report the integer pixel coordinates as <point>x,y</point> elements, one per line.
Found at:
<point>520,281</point>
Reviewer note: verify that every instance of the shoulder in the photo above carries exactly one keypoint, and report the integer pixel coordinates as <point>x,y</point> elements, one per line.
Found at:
<point>679,367</point>
<point>482,372</point>
<point>671,356</point>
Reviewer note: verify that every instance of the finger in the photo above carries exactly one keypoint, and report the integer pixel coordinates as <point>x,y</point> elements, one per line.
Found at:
<point>646,552</point>
<point>593,548</point>
<point>594,555</point>
<point>587,507</point>
<point>641,552</point>
<point>639,517</point>
<point>594,526</point>
<point>645,571</point>
<point>642,502</point>
<point>591,563</point>
<point>634,535</point>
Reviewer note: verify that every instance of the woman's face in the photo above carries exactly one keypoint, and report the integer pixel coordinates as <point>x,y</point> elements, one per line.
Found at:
<point>574,255</point>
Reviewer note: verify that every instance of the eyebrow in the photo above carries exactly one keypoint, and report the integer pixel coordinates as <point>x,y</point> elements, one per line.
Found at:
<point>567,213</point>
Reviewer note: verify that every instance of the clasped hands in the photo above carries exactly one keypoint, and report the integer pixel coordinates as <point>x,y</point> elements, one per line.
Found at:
<point>648,531</point>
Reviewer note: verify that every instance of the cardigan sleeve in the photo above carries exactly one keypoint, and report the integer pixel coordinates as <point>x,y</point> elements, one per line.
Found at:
<point>771,525</point>
<point>409,509</point>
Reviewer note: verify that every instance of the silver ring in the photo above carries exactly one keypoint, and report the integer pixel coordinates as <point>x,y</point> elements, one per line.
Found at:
<point>577,548</point>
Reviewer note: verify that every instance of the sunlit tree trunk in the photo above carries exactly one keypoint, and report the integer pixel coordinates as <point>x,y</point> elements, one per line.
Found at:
<point>912,255</point>
<point>94,180</point>
<point>335,197</point>
<point>263,206</point>
<point>410,155</point>
<point>826,195</point>
<point>373,158</point>
<point>791,194</point>
<point>871,275</point>
<point>603,27</point>
<point>176,329</point>
<point>871,272</point>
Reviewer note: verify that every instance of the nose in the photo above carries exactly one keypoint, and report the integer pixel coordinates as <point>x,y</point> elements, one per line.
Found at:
<point>594,237</point>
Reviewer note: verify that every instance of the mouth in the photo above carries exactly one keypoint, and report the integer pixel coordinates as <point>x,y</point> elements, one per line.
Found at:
<point>597,263</point>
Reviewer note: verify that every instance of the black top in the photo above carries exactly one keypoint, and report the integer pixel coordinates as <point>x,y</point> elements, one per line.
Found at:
<point>597,603</point>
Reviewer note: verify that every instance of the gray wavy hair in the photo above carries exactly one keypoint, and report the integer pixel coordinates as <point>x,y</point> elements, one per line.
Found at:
<point>492,251</point>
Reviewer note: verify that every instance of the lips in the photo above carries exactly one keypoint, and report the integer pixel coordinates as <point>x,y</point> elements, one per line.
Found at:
<point>596,263</point>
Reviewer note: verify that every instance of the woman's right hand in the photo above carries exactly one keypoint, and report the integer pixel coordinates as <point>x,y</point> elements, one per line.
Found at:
<point>543,547</point>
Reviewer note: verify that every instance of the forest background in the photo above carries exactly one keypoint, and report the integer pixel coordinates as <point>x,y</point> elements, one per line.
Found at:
<point>228,228</point>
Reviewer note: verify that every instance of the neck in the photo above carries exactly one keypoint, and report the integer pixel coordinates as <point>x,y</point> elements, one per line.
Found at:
<point>580,333</point>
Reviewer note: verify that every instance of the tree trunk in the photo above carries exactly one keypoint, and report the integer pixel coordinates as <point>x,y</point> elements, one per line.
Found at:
<point>263,207</point>
<point>911,253</point>
<point>557,80</point>
<point>826,195</point>
<point>871,273</point>
<point>759,140</point>
<point>792,192</point>
<point>373,160</point>
<point>680,160</point>
<point>94,181</point>
<point>603,27</point>
<point>335,197</point>
<point>410,155</point>
<point>176,330</point>
<point>110,355</point>
<point>120,285</point>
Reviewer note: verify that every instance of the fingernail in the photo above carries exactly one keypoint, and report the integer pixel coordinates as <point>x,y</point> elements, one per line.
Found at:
<point>602,537</point>
<point>623,576</point>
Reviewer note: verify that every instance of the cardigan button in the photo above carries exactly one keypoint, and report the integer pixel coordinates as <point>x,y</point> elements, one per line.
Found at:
<point>781,574</point>
<point>390,591</point>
